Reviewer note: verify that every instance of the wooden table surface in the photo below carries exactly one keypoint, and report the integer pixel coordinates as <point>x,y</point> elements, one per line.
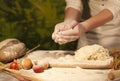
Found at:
<point>67,74</point>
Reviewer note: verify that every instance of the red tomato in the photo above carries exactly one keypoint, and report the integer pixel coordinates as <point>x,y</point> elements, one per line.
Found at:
<point>14,65</point>
<point>38,68</point>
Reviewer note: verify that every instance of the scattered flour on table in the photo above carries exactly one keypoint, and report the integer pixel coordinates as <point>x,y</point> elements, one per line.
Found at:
<point>69,74</point>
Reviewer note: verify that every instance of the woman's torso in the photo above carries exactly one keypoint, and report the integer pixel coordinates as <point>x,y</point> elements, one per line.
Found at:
<point>107,35</point>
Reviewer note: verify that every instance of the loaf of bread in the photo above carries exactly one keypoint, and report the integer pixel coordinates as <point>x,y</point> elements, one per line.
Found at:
<point>11,49</point>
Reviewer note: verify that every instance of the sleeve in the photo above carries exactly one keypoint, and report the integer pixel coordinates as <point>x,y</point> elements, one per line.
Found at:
<point>76,4</point>
<point>114,7</point>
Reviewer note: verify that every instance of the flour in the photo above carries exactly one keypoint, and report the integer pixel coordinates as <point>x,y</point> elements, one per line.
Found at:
<point>69,74</point>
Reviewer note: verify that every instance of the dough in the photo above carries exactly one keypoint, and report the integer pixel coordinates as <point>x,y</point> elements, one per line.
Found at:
<point>92,52</point>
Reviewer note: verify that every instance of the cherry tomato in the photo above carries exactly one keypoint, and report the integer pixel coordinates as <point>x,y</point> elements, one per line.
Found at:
<point>38,68</point>
<point>14,65</point>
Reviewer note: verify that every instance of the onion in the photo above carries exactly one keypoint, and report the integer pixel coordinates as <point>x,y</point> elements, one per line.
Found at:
<point>26,63</point>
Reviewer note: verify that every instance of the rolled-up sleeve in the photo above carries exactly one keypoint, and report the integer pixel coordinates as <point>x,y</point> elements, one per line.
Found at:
<point>114,7</point>
<point>76,4</point>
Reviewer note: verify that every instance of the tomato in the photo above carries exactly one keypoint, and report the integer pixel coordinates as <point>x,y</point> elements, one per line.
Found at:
<point>38,68</point>
<point>14,65</point>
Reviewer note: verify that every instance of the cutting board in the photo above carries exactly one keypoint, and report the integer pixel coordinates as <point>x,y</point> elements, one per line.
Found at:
<point>65,59</point>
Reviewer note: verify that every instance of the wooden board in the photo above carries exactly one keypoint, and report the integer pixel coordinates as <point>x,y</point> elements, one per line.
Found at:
<point>59,58</point>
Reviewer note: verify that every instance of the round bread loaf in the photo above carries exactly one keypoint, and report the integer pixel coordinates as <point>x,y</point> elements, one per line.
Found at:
<point>11,49</point>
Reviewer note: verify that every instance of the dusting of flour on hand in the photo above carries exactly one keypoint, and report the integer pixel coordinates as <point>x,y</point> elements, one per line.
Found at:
<point>92,52</point>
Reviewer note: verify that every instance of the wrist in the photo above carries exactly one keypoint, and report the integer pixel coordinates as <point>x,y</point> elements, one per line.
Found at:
<point>85,25</point>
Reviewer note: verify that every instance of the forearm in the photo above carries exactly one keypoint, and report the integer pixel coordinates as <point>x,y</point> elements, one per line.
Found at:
<point>98,20</point>
<point>72,14</point>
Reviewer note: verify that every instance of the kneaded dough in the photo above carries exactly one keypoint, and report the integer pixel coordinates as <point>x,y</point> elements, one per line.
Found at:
<point>92,52</point>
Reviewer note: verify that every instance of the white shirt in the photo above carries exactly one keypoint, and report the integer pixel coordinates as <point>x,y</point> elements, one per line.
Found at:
<point>107,35</point>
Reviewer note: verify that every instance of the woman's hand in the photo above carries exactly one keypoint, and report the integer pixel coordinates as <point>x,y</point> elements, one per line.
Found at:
<point>66,25</point>
<point>71,34</point>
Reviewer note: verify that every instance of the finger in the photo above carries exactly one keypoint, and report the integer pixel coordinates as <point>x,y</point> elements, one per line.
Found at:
<point>53,36</point>
<point>70,32</point>
<point>57,28</point>
<point>61,41</point>
<point>56,38</point>
<point>68,25</point>
<point>66,39</point>
<point>69,38</point>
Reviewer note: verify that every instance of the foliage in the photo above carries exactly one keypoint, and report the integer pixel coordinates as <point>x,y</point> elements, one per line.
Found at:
<point>32,22</point>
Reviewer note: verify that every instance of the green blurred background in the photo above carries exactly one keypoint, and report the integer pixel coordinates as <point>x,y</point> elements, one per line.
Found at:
<point>32,22</point>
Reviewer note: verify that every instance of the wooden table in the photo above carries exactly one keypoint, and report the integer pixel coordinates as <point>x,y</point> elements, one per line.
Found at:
<point>66,74</point>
